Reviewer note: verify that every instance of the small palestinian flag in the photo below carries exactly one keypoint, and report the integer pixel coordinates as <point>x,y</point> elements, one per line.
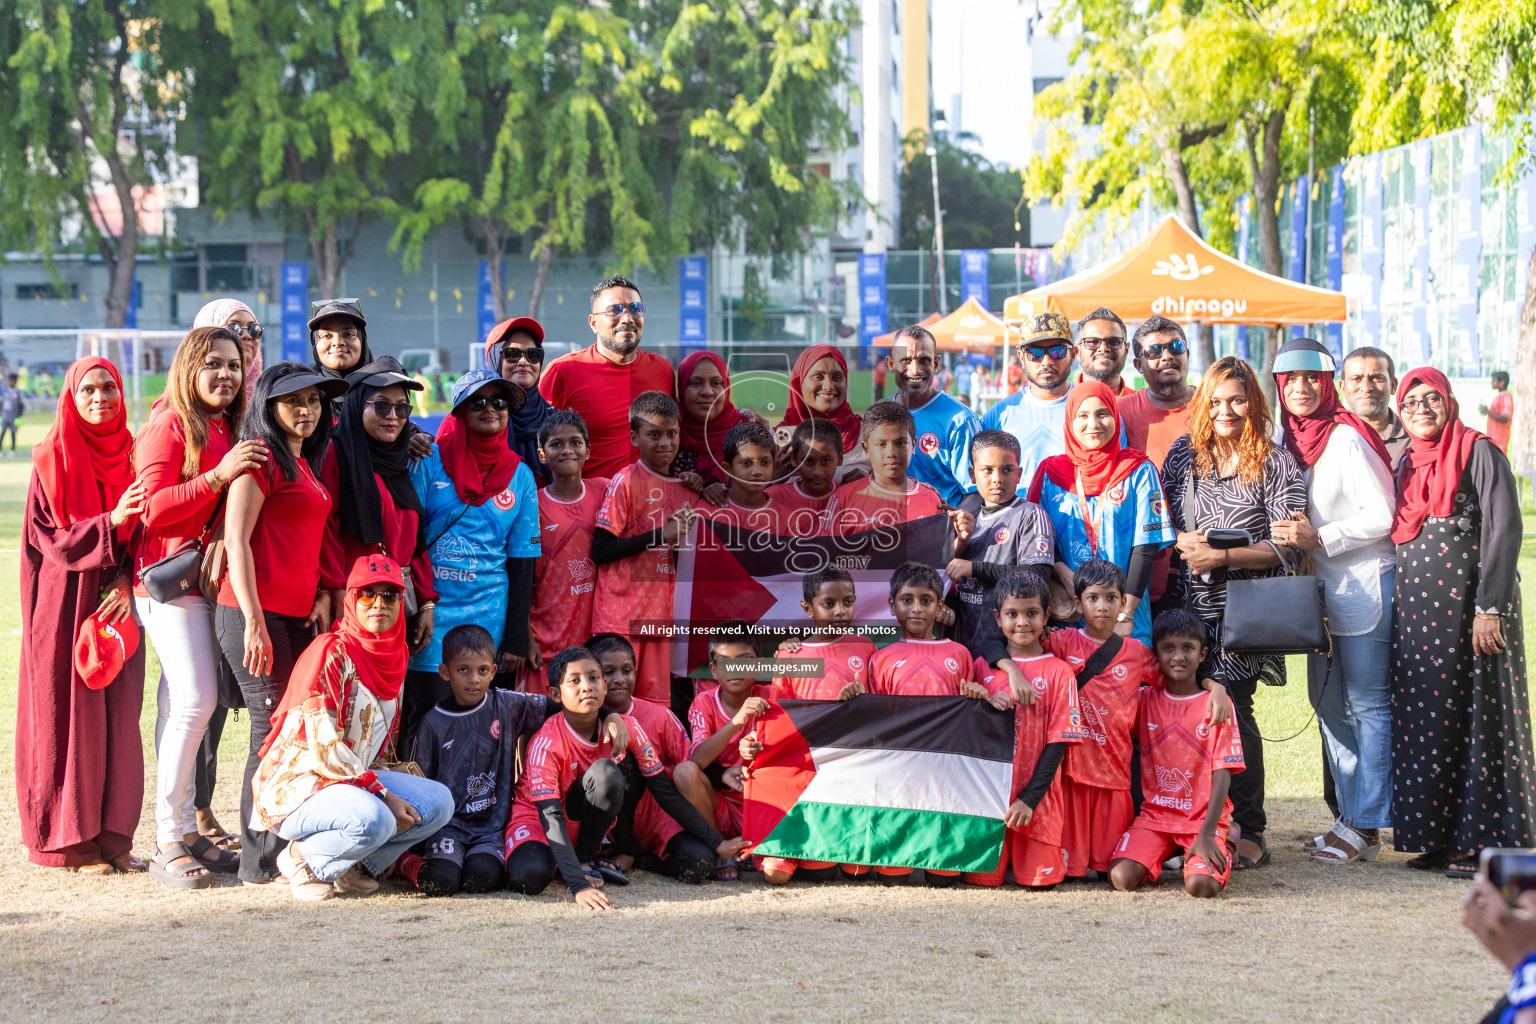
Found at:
<point>886,781</point>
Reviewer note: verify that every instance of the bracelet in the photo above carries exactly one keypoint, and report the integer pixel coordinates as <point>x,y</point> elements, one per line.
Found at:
<point>1485,616</point>
<point>383,793</point>
<point>425,605</point>
<point>1226,557</point>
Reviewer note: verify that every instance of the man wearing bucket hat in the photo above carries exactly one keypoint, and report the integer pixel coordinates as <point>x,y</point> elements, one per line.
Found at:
<point>1036,414</point>
<point>482,531</point>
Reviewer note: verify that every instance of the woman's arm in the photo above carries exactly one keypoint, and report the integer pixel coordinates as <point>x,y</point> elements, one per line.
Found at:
<point>246,499</point>
<point>1499,540</point>
<point>85,545</point>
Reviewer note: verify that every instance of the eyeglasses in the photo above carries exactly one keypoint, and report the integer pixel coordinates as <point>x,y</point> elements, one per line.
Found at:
<point>378,596</point>
<point>618,309</point>
<point>383,409</point>
<point>1040,355</point>
<point>255,331</point>
<point>1109,344</point>
<point>511,354</point>
<point>1175,347</point>
<point>1429,403</point>
<point>479,402</point>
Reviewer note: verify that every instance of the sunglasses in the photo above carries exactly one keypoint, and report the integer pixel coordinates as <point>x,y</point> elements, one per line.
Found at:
<point>383,409</point>
<point>1040,355</point>
<point>479,402</point>
<point>1175,347</point>
<point>511,354</point>
<point>1109,344</point>
<point>376,596</point>
<point>618,309</point>
<point>253,331</point>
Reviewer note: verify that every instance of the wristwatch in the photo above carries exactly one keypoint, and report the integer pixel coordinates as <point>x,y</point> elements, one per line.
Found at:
<point>1122,617</point>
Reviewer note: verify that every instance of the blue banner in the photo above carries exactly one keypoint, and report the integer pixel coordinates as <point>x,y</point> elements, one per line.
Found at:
<point>871,303</point>
<point>1469,249</point>
<point>973,276</point>
<point>486,306</point>
<point>295,298</point>
<point>135,299</point>
<point>1301,195</point>
<point>693,291</point>
<point>1336,253</point>
<point>1371,250</point>
<point>1418,161</point>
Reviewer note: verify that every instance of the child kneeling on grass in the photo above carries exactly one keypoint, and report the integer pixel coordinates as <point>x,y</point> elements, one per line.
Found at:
<point>1187,764</point>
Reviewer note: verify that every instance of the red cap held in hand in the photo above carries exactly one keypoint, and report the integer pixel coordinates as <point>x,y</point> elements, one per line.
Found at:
<point>102,648</point>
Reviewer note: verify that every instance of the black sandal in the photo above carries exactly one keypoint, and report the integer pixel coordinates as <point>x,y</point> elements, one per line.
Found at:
<point>215,858</point>
<point>1430,860</point>
<point>1462,866</point>
<point>1250,863</point>
<point>610,871</point>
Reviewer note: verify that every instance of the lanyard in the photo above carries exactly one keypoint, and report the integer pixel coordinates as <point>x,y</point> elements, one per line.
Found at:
<point>1094,529</point>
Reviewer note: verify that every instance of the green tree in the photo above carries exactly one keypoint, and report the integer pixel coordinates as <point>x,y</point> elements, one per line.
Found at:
<point>82,113</point>
<point>978,199</point>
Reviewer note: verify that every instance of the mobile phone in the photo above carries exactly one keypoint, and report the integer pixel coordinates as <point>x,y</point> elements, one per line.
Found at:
<point>1222,539</point>
<point>1512,872</point>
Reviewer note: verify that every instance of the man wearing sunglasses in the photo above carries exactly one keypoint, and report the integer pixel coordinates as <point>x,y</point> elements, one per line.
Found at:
<point>1037,414</point>
<point>601,380</point>
<point>1101,350</point>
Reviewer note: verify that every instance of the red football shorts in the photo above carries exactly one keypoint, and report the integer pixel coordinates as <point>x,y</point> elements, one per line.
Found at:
<point>1034,863</point>
<point>653,671</point>
<point>1150,847</point>
<point>1094,820</point>
<point>654,827</point>
<point>788,865</point>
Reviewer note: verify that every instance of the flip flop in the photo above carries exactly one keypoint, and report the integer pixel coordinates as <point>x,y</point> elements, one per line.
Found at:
<point>1462,866</point>
<point>1430,860</point>
<point>213,857</point>
<point>610,871</point>
<point>178,877</point>
<point>1250,863</point>
<point>727,864</point>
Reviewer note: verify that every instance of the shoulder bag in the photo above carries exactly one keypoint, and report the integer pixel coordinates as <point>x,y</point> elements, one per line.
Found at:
<point>179,572</point>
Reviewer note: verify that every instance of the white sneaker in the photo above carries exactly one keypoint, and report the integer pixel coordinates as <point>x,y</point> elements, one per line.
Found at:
<point>307,886</point>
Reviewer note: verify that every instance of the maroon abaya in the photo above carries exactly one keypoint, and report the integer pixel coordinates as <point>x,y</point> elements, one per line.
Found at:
<point>79,755</point>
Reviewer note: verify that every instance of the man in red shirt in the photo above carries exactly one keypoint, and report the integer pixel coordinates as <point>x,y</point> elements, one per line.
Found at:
<point>1101,350</point>
<point>601,380</point>
<point>1158,416</point>
<point>1500,412</point>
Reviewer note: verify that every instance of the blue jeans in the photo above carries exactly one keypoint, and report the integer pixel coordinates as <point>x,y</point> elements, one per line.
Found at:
<point>1354,708</point>
<point>341,825</point>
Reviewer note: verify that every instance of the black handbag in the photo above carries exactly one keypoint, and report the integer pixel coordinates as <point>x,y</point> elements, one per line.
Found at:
<point>177,574</point>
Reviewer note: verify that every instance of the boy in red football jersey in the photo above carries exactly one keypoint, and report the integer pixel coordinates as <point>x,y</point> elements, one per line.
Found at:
<point>887,496</point>
<point>1187,765</point>
<point>915,665</point>
<point>574,770</point>
<point>1097,781</point>
<point>749,455</point>
<point>718,720</point>
<point>643,515</point>
<point>827,597</point>
<point>815,453</point>
<point>1043,733</point>
<point>564,577</point>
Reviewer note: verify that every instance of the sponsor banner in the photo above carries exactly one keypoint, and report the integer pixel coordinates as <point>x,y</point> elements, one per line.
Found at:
<point>295,315</point>
<point>693,296</point>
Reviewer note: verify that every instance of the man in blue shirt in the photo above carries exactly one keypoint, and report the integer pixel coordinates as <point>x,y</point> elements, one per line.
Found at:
<point>1037,414</point>
<point>942,456</point>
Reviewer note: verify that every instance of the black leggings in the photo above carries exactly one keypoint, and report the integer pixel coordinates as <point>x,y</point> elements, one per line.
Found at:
<point>687,860</point>
<point>1247,792</point>
<point>482,872</point>
<point>593,802</point>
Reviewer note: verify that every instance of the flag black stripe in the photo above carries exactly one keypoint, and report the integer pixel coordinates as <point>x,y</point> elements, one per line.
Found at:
<point>945,725</point>
<point>925,540</point>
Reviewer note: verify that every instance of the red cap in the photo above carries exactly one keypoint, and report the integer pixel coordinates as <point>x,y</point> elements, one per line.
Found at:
<point>379,568</point>
<point>498,334</point>
<point>102,648</point>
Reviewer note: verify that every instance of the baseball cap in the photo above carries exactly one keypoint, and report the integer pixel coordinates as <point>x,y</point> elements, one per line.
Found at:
<point>479,380</point>
<point>288,377</point>
<point>375,568</point>
<point>381,373</point>
<point>1045,327</point>
<point>102,648</point>
<point>496,335</point>
<point>352,309</point>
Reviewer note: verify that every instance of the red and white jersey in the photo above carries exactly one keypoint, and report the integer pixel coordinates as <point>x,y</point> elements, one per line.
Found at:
<point>844,660</point>
<point>1052,718</point>
<point>803,515</point>
<point>667,735</point>
<point>1179,752</point>
<point>766,518</point>
<point>863,504</point>
<point>706,716</point>
<point>1108,706</point>
<point>557,757</point>
<point>637,589</point>
<point>564,577</point>
<point>921,668</point>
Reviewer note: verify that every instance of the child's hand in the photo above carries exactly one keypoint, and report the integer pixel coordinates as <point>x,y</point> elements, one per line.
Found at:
<point>851,691</point>
<point>732,777</point>
<point>752,707</point>
<point>1018,686</point>
<point>790,646</point>
<point>716,494</point>
<point>958,569</point>
<point>592,899</point>
<point>616,732</point>
<point>946,616</point>
<point>964,524</point>
<point>1220,709</point>
<point>731,847</point>
<point>975,691</point>
<point>677,525</point>
<point>693,481</point>
<point>749,746</point>
<point>1209,850</point>
<point>1002,701</point>
<point>1019,814</point>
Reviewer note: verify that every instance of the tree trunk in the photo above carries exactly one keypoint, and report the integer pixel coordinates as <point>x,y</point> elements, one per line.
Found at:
<point>1522,378</point>
<point>1264,166</point>
<point>1178,176</point>
<point>327,261</point>
<point>120,264</point>
<point>540,279</point>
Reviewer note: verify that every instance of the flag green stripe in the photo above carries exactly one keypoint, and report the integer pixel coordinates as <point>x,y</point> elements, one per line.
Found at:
<point>886,837</point>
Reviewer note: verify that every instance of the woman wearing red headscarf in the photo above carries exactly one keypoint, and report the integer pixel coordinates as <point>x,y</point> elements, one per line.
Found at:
<point>345,822</point>
<point>818,389</point>
<point>79,758</point>
<point>704,393</point>
<point>1104,501</point>
<point>1461,732</point>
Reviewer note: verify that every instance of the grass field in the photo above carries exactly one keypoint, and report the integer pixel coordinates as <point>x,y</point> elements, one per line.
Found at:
<point>1295,941</point>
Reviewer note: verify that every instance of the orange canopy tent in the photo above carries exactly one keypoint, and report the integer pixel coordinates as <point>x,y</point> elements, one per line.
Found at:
<point>1175,274</point>
<point>889,337</point>
<point>970,328</point>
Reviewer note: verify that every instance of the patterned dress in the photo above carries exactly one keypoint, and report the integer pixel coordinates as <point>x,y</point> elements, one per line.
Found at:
<point>1461,731</point>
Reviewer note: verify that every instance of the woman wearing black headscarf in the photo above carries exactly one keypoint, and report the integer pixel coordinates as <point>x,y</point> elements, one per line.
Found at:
<point>514,350</point>
<point>367,471</point>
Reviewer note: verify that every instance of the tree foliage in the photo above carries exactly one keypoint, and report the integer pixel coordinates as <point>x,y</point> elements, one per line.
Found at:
<point>979,199</point>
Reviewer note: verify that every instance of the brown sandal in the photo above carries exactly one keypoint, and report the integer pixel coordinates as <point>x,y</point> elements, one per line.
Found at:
<point>128,864</point>
<point>209,828</point>
<point>95,869</point>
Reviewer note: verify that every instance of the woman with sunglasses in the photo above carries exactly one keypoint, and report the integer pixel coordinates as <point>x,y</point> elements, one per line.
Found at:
<point>514,351</point>
<point>238,319</point>
<point>1461,726</point>
<point>374,508</point>
<point>482,527</point>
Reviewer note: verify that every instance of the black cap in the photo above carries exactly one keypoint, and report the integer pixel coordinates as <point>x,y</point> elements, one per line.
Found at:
<point>381,373</point>
<point>290,377</point>
<point>349,308</point>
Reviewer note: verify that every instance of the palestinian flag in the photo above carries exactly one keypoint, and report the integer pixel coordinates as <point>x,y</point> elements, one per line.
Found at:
<point>917,782</point>
<point>725,571</point>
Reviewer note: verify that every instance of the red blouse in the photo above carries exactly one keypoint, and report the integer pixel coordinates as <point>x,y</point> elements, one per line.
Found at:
<point>177,510</point>
<point>286,541</point>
